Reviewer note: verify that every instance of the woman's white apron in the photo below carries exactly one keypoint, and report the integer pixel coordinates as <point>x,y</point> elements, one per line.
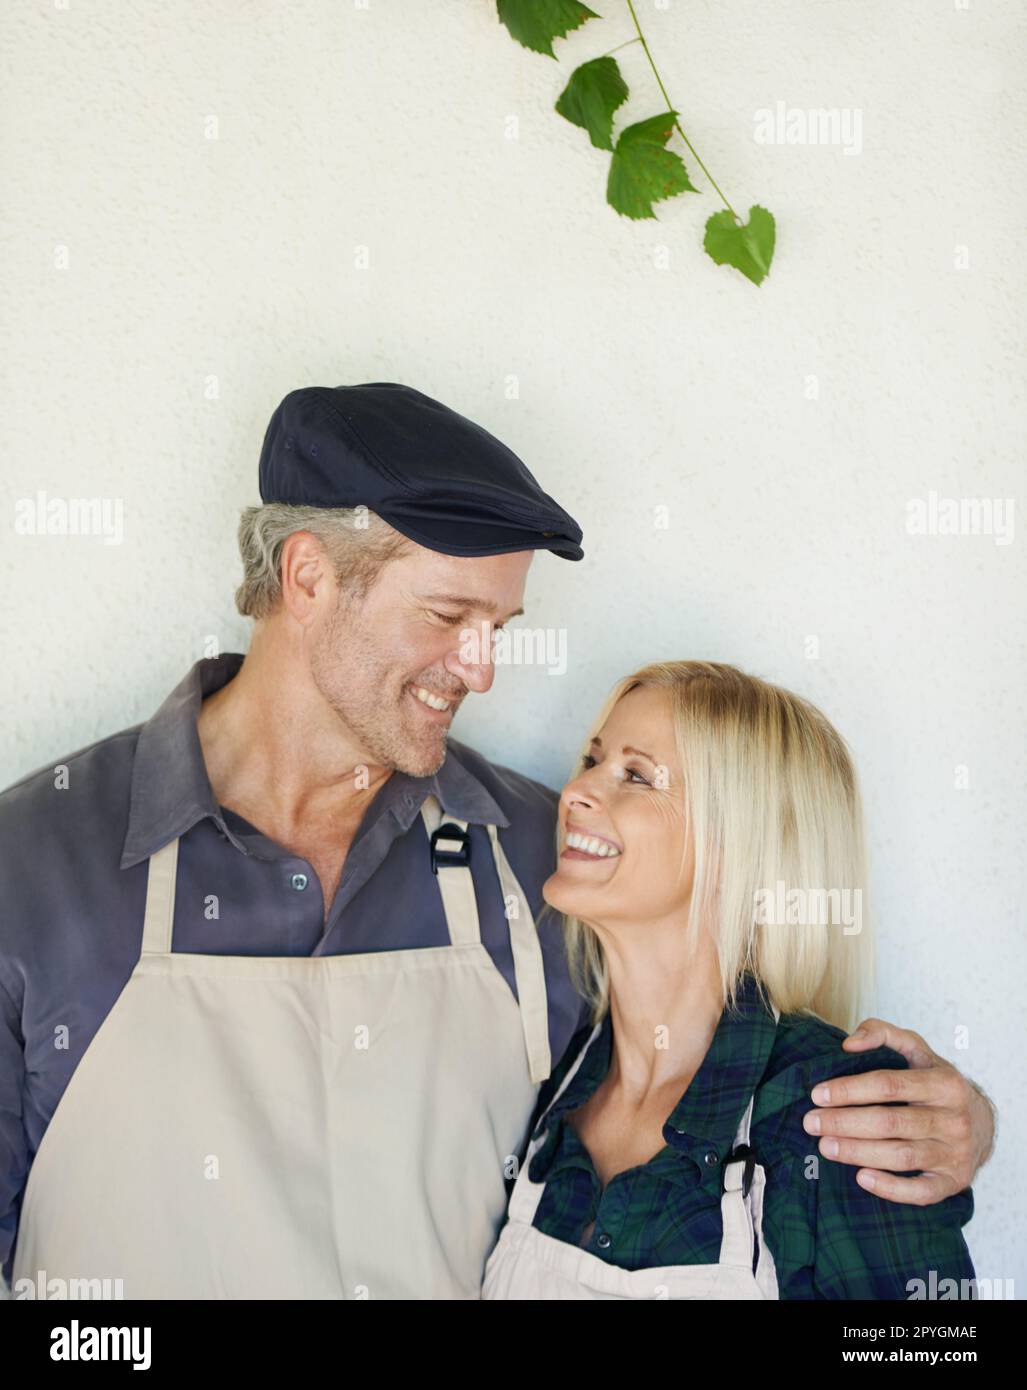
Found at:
<point>529,1264</point>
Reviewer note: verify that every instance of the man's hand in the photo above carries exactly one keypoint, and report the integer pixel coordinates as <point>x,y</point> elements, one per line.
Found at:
<point>946,1130</point>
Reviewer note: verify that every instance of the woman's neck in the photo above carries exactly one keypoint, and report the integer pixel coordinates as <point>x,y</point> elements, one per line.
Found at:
<point>664,1015</point>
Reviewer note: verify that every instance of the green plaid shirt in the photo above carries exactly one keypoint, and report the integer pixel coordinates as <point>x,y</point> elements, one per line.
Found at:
<point>829,1237</point>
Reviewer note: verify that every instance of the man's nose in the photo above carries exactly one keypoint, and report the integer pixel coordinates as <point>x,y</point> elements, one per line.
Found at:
<point>477,674</point>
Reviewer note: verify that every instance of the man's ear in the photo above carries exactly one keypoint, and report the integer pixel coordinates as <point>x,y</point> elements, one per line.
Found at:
<point>307,582</point>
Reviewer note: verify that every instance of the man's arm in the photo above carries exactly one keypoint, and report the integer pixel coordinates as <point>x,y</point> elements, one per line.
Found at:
<point>13,1148</point>
<point>946,1129</point>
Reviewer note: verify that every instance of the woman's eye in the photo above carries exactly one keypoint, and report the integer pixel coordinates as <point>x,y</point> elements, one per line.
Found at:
<point>588,761</point>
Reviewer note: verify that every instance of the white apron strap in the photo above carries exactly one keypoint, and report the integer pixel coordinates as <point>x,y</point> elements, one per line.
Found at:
<point>460,905</point>
<point>159,919</point>
<point>526,1195</point>
<point>455,882</point>
<point>736,1246</point>
<point>529,967</point>
<point>741,1213</point>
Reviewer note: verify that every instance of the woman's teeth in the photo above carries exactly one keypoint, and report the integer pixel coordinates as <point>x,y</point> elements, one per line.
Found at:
<point>427,698</point>
<point>589,844</point>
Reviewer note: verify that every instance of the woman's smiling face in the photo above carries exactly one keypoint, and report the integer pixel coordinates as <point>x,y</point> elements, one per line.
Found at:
<point>633,864</point>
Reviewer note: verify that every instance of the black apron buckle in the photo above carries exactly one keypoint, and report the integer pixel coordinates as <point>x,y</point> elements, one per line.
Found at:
<point>739,1152</point>
<point>453,836</point>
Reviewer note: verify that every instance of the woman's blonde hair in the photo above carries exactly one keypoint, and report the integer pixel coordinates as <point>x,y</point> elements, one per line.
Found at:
<point>773,806</point>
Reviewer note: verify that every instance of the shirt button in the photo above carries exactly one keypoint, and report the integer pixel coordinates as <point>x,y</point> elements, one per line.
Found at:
<point>711,1159</point>
<point>299,882</point>
<point>604,1241</point>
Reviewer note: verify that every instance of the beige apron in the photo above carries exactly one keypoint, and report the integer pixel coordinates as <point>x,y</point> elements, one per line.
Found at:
<point>284,1127</point>
<point>528,1264</point>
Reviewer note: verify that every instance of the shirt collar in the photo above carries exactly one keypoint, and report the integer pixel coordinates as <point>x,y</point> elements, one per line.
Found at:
<point>458,791</point>
<point>171,791</point>
<point>707,1116</point>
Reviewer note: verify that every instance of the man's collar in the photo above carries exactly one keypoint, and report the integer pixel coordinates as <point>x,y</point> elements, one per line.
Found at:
<point>171,791</point>
<point>170,787</point>
<point>459,793</point>
<point>707,1116</point>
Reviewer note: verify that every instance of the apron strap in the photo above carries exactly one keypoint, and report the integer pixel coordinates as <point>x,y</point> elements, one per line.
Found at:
<point>736,1246</point>
<point>529,967</point>
<point>159,920</point>
<point>455,882</point>
<point>460,905</point>
<point>527,1194</point>
<point>741,1206</point>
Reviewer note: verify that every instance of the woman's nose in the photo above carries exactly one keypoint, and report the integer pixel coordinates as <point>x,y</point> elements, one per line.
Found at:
<point>580,792</point>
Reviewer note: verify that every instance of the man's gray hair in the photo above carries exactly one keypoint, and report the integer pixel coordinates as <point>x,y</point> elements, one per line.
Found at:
<point>358,543</point>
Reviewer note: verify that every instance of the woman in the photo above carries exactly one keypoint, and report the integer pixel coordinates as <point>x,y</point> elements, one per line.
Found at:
<point>712,878</point>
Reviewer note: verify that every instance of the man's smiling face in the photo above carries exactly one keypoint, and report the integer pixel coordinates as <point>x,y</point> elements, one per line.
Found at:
<point>396,665</point>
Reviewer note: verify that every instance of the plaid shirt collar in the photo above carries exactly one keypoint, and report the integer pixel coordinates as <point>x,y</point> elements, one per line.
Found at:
<point>706,1118</point>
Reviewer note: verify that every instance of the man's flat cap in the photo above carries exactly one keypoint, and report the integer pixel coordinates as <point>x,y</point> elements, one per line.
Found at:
<point>442,480</point>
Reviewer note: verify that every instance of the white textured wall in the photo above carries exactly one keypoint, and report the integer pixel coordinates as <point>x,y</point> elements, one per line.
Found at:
<point>385,128</point>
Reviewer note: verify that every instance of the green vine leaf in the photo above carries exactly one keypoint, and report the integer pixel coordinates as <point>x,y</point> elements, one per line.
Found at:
<point>591,97</point>
<point>749,247</point>
<point>642,172</point>
<point>536,23</point>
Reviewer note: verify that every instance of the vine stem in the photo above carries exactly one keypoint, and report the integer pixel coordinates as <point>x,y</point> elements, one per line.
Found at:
<point>670,107</point>
<point>619,47</point>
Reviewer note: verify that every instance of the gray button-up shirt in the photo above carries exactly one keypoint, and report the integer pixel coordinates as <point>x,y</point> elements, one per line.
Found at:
<point>75,839</point>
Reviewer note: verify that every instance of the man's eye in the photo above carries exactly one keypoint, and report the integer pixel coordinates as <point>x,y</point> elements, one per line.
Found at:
<point>451,620</point>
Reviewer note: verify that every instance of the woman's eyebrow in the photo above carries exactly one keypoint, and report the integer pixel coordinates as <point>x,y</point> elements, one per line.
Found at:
<point>598,743</point>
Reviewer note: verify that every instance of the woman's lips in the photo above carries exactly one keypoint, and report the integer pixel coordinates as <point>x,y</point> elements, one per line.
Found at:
<point>588,858</point>
<point>570,852</point>
<point>605,848</point>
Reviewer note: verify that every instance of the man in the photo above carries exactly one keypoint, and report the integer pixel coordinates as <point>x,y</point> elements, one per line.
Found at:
<point>248,1049</point>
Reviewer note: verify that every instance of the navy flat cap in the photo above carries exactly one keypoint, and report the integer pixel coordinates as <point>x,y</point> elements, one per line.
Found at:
<point>442,480</point>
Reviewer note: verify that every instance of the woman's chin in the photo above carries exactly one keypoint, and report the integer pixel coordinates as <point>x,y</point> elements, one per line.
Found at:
<point>564,896</point>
